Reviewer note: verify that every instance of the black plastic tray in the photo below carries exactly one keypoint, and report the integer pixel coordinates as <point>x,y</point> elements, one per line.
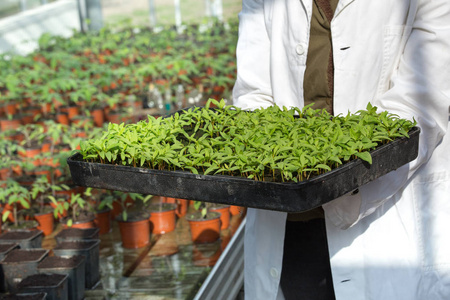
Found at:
<point>288,197</point>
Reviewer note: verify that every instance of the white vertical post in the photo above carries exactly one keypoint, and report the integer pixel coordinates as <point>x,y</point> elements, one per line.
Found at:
<point>208,8</point>
<point>23,5</point>
<point>152,11</point>
<point>177,14</point>
<point>219,9</point>
<point>94,14</point>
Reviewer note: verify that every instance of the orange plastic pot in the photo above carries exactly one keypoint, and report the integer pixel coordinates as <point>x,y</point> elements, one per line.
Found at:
<point>182,205</point>
<point>46,173</point>
<point>164,220</point>
<point>63,118</point>
<point>34,111</point>
<point>118,118</point>
<point>27,118</point>
<point>72,111</point>
<point>31,154</point>
<point>134,233</point>
<point>46,108</point>
<point>224,215</point>
<point>204,230</point>
<point>98,117</point>
<point>103,221</point>
<point>46,222</point>
<point>235,210</point>
<point>81,225</point>
<point>60,215</point>
<point>4,173</point>
<point>10,108</point>
<point>10,124</point>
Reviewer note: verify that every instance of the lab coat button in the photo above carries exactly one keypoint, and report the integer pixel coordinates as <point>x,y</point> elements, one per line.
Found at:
<point>274,272</point>
<point>300,49</point>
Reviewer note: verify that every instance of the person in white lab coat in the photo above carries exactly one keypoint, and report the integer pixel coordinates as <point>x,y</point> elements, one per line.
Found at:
<point>389,239</point>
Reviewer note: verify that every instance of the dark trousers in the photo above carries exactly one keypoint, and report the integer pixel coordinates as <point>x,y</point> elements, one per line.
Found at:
<point>306,273</point>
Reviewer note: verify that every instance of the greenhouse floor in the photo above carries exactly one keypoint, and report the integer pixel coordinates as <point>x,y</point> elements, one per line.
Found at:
<point>171,267</point>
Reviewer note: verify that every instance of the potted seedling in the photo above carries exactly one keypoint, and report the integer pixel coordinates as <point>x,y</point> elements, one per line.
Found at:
<point>33,136</point>
<point>79,210</point>
<point>41,192</point>
<point>162,217</point>
<point>204,224</point>
<point>15,198</point>
<point>134,224</point>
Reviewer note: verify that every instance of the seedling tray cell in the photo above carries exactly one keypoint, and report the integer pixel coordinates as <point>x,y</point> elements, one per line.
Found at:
<point>232,190</point>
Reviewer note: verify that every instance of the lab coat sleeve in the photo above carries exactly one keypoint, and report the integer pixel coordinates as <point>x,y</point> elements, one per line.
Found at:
<point>419,88</point>
<point>253,88</point>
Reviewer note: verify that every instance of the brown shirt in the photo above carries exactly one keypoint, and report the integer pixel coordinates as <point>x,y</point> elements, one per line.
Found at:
<point>318,81</point>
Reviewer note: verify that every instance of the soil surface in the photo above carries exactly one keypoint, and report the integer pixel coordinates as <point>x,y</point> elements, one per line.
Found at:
<point>75,245</point>
<point>161,207</point>
<point>60,262</point>
<point>41,280</point>
<point>18,235</point>
<point>197,216</point>
<point>134,216</point>
<point>21,255</point>
<point>88,233</point>
<point>5,247</point>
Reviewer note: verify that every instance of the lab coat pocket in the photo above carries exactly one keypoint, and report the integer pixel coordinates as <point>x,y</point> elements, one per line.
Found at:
<point>432,207</point>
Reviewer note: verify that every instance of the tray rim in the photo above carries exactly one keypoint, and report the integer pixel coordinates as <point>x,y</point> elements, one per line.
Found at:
<point>342,168</point>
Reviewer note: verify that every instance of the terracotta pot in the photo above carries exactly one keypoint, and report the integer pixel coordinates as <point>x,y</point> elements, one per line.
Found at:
<point>204,230</point>
<point>31,153</point>
<point>72,111</point>
<point>27,118</point>
<point>103,221</point>
<point>86,220</point>
<point>46,108</point>
<point>235,210</point>
<point>98,117</point>
<point>63,118</point>
<point>224,215</point>
<point>118,118</point>
<point>162,218</point>
<point>182,205</point>
<point>56,103</point>
<point>5,173</point>
<point>46,146</point>
<point>34,111</point>
<point>6,124</point>
<point>46,222</point>
<point>45,172</point>
<point>10,108</point>
<point>135,232</point>
<point>6,207</point>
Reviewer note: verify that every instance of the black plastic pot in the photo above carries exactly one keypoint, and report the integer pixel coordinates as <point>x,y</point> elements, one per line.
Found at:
<point>27,239</point>
<point>73,267</point>
<point>55,285</point>
<point>25,296</point>
<point>90,250</point>
<point>77,234</point>
<point>4,250</point>
<point>19,264</point>
<point>233,190</point>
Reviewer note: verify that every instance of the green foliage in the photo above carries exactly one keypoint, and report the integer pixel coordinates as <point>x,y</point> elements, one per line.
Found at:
<point>14,194</point>
<point>271,144</point>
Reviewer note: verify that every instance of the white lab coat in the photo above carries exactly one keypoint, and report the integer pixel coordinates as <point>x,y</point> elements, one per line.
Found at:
<point>390,240</point>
